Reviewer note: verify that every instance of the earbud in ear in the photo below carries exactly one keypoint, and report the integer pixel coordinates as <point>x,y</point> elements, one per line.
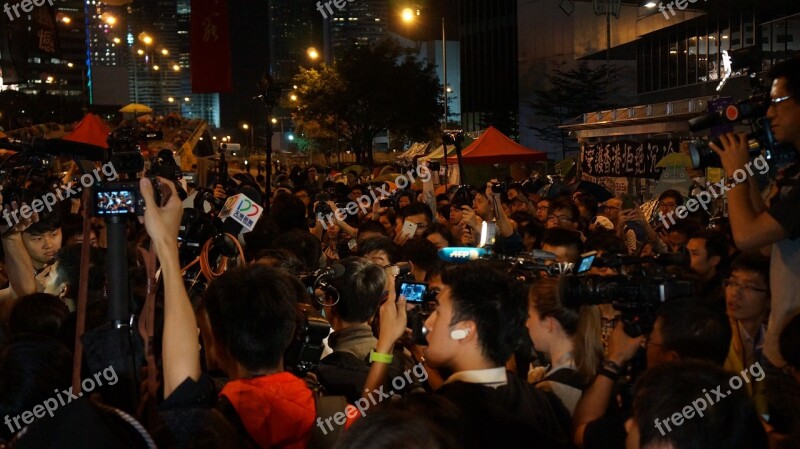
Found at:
<point>459,334</point>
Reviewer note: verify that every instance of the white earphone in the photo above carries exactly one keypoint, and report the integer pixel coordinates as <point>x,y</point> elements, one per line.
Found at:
<point>459,334</point>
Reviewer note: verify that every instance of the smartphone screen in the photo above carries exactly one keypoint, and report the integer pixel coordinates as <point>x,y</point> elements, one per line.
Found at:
<point>414,292</point>
<point>587,260</point>
<point>409,228</point>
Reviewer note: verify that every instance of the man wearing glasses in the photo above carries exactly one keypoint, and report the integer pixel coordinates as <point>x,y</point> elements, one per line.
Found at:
<point>756,225</point>
<point>563,214</point>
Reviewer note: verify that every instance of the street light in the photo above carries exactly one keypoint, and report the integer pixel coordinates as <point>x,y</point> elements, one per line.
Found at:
<point>66,19</point>
<point>140,52</point>
<point>156,67</point>
<point>165,52</point>
<point>293,97</point>
<point>408,17</point>
<point>247,127</point>
<point>176,67</point>
<point>313,53</point>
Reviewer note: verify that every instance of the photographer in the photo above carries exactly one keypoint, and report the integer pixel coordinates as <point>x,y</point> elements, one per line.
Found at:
<point>755,225</point>
<point>359,293</point>
<point>249,317</point>
<point>477,325</point>
<point>684,328</point>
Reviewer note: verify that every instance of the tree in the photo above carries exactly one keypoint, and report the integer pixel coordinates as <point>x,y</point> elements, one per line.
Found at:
<point>367,91</point>
<point>572,93</point>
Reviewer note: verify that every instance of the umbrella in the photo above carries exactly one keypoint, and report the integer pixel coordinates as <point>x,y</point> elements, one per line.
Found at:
<point>389,177</point>
<point>600,193</point>
<point>136,108</point>
<point>675,159</point>
<point>356,168</point>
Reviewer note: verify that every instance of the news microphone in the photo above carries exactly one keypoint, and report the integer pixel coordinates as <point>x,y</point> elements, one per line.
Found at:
<point>332,272</point>
<point>462,254</point>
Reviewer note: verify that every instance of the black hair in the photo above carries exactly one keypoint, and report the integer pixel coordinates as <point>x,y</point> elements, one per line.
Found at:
<point>789,342</point>
<point>716,244</point>
<point>417,421</point>
<point>38,313</point>
<point>522,217</point>
<point>670,388</point>
<point>31,367</point>
<point>360,289</point>
<point>442,197</point>
<point>253,313</point>
<point>565,204</point>
<point>408,194</point>
<point>380,243</point>
<point>68,267</point>
<point>444,231</point>
<point>695,330</point>
<point>371,226</point>
<point>283,259</point>
<point>259,239</point>
<point>48,221</point>
<point>606,241</point>
<point>533,228</point>
<point>416,209</point>
<point>421,252</point>
<point>301,243</point>
<point>562,237</point>
<point>495,301</point>
<point>589,202</point>
<point>671,193</point>
<point>788,69</point>
<point>754,262</point>
<point>289,212</point>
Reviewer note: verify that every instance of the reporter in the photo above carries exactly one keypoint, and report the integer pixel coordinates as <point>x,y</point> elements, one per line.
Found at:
<point>754,224</point>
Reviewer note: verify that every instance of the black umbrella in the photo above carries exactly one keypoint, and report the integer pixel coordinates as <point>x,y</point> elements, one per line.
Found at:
<point>600,193</point>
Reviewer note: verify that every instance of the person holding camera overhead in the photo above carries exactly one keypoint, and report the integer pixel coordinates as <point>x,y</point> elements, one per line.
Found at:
<point>774,226</point>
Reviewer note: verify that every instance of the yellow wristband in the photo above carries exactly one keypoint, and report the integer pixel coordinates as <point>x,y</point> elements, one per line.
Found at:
<point>380,357</point>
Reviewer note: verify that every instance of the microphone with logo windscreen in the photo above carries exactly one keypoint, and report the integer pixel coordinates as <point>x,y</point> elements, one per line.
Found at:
<point>462,254</point>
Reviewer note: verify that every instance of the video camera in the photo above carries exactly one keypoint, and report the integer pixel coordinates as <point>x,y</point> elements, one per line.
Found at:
<point>637,296</point>
<point>122,197</point>
<point>751,111</point>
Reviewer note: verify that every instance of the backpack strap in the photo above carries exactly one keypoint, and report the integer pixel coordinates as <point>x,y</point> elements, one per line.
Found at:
<point>224,406</point>
<point>324,436</point>
<point>568,377</point>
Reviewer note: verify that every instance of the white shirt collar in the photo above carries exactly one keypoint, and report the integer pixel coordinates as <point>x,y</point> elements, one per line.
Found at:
<point>491,377</point>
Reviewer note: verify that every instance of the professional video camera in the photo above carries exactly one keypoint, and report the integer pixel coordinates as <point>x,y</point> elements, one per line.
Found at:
<point>751,111</point>
<point>637,296</point>
<point>305,350</point>
<point>525,266</point>
<point>123,196</point>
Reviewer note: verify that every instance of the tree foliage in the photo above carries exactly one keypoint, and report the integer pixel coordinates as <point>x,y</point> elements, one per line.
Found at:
<point>572,93</point>
<point>367,91</point>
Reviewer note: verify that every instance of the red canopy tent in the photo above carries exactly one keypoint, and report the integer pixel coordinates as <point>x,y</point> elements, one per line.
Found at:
<point>91,130</point>
<point>493,147</point>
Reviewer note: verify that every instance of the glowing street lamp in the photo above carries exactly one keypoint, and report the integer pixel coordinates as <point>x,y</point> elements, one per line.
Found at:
<point>111,20</point>
<point>156,67</point>
<point>293,97</point>
<point>313,53</point>
<point>164,52</point>
<point>140,52</point>
<point>407,15</point>
<point>66,19</point>
<point>145,38</point>
<point>70,65</point>
<point>117,40</point>
<point>176,67</point>
<point>171,99</point>
<point>274,121</point>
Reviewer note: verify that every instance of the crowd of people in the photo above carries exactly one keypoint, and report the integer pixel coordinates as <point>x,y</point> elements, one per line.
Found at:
<point>488,353</point>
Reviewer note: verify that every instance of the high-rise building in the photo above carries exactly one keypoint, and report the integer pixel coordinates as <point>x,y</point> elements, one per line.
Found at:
<point>158,60</point>
<point>489,82</point>
<point>358,24</point>
<point>295,37</point>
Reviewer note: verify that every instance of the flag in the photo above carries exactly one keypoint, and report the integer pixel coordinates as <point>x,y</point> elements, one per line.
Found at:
<point>22,38</point>
<point>210,47</point>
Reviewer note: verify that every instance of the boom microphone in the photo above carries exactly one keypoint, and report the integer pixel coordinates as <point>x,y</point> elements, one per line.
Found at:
<point>57,147</point>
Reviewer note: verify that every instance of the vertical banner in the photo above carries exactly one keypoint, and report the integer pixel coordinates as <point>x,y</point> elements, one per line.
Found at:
<point>44,37</point>
<point>210,47</point>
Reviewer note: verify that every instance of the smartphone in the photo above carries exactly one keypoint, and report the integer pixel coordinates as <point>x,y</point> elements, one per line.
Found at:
<point>628,202</point>
<point>385,203</point>
<point>587,259</point>
<point>409,229</point>
<point>488,233</point>
<point>414,292</point>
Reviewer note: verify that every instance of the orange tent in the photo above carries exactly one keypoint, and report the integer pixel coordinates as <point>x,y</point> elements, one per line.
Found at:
<point>493,147</point>
<point>91,130</point>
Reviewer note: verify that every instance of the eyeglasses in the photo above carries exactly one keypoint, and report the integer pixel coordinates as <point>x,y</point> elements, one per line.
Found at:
<point>747,288</point>
<point>562,218</point>
<point>779,100</point>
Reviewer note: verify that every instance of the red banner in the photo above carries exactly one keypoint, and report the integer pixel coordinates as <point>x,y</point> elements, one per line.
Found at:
<point>211,47</point>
